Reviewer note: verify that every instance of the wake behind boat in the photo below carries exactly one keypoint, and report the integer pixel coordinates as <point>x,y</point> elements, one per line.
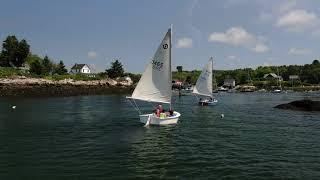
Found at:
<point>203,87</point>
<point>155,86</point>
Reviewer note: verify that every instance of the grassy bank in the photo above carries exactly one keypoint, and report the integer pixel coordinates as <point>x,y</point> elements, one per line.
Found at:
<point>7,72</point>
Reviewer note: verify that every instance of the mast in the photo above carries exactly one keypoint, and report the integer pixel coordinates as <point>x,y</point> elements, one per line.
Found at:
<point>211,72</point>
<point>170,66</point>
<point>279,82</point>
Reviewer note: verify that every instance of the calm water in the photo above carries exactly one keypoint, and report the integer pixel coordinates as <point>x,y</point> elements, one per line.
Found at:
<point>100,137</point>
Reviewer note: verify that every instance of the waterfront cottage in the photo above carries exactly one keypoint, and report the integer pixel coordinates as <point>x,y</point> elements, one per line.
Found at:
<point>80,69</point>
<point>271,76</point>
<point>231,83</point>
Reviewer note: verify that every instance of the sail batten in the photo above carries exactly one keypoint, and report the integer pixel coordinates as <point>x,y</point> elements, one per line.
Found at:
<point>203,85</point>
<point>155,82</point>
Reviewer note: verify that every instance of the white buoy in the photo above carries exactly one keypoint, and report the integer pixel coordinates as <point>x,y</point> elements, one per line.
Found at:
<point>14,107</point>
<point>222,116</point>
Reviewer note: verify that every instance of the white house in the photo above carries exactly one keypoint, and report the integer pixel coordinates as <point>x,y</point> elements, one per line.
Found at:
<point>270,76</point>
<point>80,69</point>
<point>229,82</point>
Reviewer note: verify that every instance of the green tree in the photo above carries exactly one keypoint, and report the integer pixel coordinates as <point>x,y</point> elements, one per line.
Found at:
<point>188,79</point>
<point>23,51</point>
<point>60,68</point>
<point>33,57</point>
<point>14,53</point>
<point>47,65</point>
<point>2,62</point>
<point>35,67</point>
<point>9,50</point>
<point>315,62</point>
<point>116,70</point>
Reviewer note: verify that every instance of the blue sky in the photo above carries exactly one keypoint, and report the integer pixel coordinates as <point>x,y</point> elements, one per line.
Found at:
<point>237,33</point>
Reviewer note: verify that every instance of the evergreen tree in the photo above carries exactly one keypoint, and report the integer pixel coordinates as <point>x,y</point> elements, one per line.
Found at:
<point>47,65</point>
<point>14,53</point>
<point>60,68</point>
<point>316,62</point>
<point>116,70</point>
<point>9,50</point>
<point>22,53</point>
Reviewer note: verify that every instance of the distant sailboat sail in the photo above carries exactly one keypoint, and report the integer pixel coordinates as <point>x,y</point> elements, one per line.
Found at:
<point>155,83</point>
<point>203,85</point>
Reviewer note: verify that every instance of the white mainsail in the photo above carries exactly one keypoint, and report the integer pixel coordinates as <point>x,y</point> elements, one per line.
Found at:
<point>203,86</point>
<point>155,83</point>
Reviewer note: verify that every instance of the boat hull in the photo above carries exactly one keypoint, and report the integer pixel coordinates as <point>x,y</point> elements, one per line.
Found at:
<point>208,103</point>
<point>160,121</point>
<point>213,103</point>
<point>277,91</point>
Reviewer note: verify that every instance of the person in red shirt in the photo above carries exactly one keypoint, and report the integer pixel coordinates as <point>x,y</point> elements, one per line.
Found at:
<point>159,110</point>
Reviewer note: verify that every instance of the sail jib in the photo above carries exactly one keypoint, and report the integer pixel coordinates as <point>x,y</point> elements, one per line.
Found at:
<point>203,85</point>
<point>155,82</point>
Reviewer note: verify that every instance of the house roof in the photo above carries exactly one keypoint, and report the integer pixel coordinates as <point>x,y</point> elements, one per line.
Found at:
<point>270,74</point>
<point>78,66</point>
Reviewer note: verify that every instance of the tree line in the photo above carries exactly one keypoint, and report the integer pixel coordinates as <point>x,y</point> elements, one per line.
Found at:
<point>308,74</point>
<point>17,54</point>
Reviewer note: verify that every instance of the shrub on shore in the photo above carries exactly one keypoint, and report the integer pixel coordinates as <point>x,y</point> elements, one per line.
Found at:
<point>6,72</point>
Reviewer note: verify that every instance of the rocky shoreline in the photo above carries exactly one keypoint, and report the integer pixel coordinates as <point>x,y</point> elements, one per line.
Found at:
<point>38,87</point>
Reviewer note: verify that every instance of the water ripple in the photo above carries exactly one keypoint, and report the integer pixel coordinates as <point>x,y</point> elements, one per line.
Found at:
<point>99,137</point>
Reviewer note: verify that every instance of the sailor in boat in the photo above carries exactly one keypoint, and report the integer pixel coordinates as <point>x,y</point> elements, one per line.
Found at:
<point>159,110</point>
<point>205,102</point>
<point>161,113</point>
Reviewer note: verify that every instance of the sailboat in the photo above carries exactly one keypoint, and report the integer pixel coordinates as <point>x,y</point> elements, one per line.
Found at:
<point>155,85</point>
<point>278,90</point>
<point>203,87</point>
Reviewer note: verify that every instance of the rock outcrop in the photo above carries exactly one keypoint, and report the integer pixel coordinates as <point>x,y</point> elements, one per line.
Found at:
<point>301,105</point>
<point>22,86</point>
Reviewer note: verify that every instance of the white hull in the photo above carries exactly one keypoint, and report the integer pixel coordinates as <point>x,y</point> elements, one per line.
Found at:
<point>208,103</point>
<point>277,91</point>
<point>213,103</point>
<point>160,121</point>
